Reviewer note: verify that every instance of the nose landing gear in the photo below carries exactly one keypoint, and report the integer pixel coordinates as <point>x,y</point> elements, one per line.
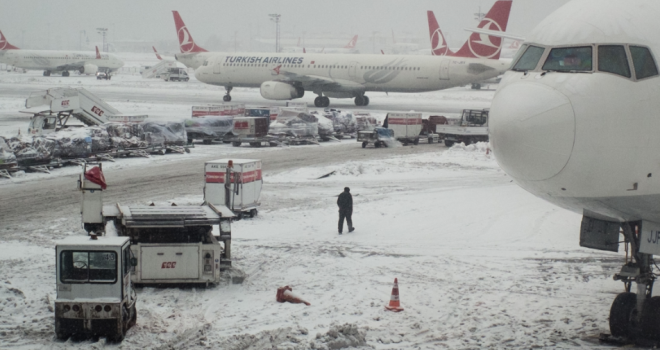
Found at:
<point>227,97</point>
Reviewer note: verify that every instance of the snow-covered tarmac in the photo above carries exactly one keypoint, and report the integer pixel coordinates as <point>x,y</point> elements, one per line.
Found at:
<point>481,263</point>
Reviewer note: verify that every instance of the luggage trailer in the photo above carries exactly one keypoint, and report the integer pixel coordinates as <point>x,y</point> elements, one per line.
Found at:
<point>172,244</point>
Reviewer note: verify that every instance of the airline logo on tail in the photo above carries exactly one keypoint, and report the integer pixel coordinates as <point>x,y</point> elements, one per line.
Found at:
<point>156,52</point>
<point>351,44</point>
<point>98,54</point>
<point>186,42</point>
<point>439,45</point>
<point>4,44</point>
<point>478,45</point>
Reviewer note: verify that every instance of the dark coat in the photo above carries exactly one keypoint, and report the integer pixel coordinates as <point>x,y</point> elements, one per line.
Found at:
<point>345,202</point>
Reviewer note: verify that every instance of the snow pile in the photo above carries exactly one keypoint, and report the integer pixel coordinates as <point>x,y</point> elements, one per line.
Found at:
<point>7,156</point>
<point>339,337</point>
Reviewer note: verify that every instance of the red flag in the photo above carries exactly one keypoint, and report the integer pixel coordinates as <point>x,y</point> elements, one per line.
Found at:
<point>95,175</point>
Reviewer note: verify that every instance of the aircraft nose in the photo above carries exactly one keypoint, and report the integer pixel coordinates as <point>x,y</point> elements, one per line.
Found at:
<point>532,130</point>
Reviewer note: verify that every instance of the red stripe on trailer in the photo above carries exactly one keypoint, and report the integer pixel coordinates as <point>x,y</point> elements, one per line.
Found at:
<point>247,177</point>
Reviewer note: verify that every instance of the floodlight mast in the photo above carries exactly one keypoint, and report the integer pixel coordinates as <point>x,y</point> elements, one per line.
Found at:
<point>103,32</point>
<point>276,18</point>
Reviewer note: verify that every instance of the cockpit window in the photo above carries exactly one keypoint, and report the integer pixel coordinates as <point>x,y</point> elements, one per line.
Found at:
<point>613,59</point>
<point>643,61</point>
<point>206,63</point>
<point>569,59</point>
<point>529,59</point>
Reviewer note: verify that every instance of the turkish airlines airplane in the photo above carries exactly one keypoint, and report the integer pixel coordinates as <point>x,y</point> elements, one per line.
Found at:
<point>287,76</point>
<point>348,49</point>
<point>56,61</point>
<point>576,122</point>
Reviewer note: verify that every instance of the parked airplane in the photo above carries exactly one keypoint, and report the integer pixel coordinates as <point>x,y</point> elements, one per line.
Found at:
<point>287,76</point>
<point>349,48</point>
<point>575,122</point>
<point>478,45</point>
<point>55,61</point>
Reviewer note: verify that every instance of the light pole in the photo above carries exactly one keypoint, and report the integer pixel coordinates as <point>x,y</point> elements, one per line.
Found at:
<point>83,34</point>
<point>103,32</point>
<point>276,18</point>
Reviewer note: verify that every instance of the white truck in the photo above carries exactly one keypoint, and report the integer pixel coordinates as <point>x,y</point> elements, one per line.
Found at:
<point>172,244</point>
<point>175,74</point>
<point>471,128</point>
<point>94,291</point>
<point>235,184</point>
<point>406,126</point>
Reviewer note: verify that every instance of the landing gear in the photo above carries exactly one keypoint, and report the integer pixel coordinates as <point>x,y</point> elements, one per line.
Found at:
<point>361,100</point>
<point>476,86</point>
<point>46,73</point>
<point>321,101</point>
<point>227,97</point>
<point>65,73</point>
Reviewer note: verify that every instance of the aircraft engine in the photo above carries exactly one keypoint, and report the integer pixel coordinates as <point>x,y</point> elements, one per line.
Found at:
<point>275,90</point>
<point>89,69</point>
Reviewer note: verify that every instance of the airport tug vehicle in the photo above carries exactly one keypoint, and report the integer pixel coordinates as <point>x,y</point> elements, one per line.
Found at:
<point>171,244</point>
<point>94,291</point>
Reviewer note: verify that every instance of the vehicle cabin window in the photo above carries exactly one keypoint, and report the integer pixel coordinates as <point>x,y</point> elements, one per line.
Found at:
<point>570,59</point>
<point>127,261</point>
<point>613,59</point>
<point>529,58</point>
<point>643,61</point>
<point>86,267</point>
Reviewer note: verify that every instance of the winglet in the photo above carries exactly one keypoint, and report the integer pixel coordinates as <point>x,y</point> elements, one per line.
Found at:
<point>480,45</point>
<point>439,45</point>
<point>351,44</point>
<point>156,52</point>
<point>98,54</point>
<point>5,45</point>
<point>383,52</point>
<point>186,42</point>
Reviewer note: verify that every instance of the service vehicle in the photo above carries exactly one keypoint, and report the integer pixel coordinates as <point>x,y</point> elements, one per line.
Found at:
<point>103,75</point>
<point>175,74</point>
<point>95,295</point>
<point>171,244</point>
<point>242,176</point>
<point>406,126</point>
<point>379,137</point>
<point>251,130</point>
<point>472,128</point>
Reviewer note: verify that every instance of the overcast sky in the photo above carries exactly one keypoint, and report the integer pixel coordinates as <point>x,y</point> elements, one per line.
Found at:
<point>62,20</point>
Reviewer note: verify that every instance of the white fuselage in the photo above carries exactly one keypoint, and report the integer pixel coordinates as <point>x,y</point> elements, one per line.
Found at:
<point>587,141</point>
<point>56,61</point>
<point>346,74</point>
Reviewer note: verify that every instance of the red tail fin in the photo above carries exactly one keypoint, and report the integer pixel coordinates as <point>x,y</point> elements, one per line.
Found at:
<point>351,44</point>
<point>186,42</point>
<point>304,51</point>
<point>439,45</point>
<point>486,46</point>
<point>5,45</point>
<point>98,54</point>
<point>156,52</point>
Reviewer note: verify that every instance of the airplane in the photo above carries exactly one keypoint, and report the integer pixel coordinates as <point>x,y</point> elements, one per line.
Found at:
<point>478,45</point>
<point>349,48</point>
<point>55,61</point>
<point>282,76</point>
<point>575,123</point>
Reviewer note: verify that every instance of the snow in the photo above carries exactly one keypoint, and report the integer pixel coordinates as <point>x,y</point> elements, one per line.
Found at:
<point>480,262</point>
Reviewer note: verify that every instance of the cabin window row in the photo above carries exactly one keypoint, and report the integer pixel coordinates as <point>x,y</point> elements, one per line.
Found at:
<point>614,59</point>
<point>314,66</point>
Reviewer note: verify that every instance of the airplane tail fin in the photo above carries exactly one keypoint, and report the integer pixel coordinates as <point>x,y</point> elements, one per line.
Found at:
<point>5,45</point>
<point>484,45</point>
<point>186,42</point>
<point>98,53</point>
<point>351,44</point>
<point>156,52</point>
<point>439,45</point>
<point>304,51</point>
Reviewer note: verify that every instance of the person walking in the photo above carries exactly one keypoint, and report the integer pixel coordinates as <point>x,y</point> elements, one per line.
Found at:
<point>345,204</point>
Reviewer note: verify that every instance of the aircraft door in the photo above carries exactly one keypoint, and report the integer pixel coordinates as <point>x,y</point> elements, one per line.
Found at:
<point>444,69</point>
<point>217,67</point>
<point>352,69</point>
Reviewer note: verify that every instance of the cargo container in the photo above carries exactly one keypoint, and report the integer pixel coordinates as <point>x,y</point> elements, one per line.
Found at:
<point>406,126</point>
<point>243,191</point>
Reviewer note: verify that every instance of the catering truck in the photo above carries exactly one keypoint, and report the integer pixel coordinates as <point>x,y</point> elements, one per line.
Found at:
<point>172,244</point>
<point>94,291</point>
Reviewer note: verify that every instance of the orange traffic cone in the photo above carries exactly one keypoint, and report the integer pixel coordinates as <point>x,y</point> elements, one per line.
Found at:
<point>394,298</point>
<point>284,294</point>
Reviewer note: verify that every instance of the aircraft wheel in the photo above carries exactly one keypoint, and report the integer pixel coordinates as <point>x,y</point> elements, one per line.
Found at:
<point>226,98</point>
<point>318,102</point>
<point>620,314</point>
<point>650,319</point>
<point>359,101</point>
<point>326,101</point>
<point>449,143</point>
<point>364,144</point>
<point>366,100</point>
